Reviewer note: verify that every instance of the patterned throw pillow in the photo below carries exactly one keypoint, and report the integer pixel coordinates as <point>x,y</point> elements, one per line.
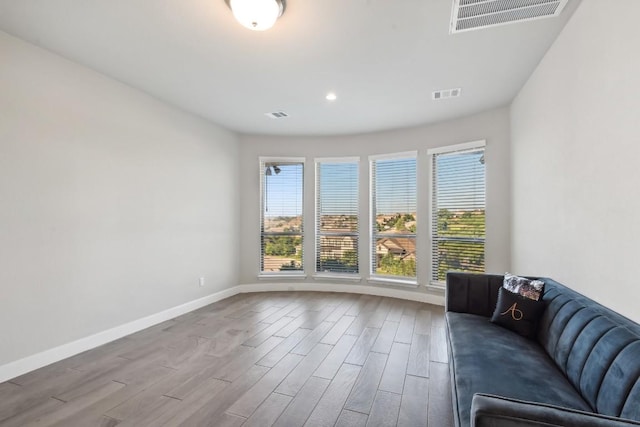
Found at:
<point>518,313</point>
<point>528,288</point>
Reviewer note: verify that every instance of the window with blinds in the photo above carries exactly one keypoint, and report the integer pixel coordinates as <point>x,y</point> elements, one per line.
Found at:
<point>281,223</point>
<point>337,215</point>
<point>393,215</point>
<point>458,209</point>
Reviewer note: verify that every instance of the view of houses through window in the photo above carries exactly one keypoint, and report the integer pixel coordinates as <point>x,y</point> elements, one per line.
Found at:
<point>458,209</point>
<point>281,215</point>
<point>394,209</point>
<point>337,216</point>
<point>457,204</point>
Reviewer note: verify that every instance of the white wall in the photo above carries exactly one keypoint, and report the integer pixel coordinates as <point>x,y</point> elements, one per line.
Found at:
<point>493,126</point>
<point>112,204</point>
<point>576,158</point>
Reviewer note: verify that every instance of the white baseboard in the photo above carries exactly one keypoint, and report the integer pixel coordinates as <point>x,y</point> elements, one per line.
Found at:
<point>343,287</point>
<point>47,357</point>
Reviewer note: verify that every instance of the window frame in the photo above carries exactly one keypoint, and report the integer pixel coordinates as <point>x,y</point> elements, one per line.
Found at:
<point>317,231</point>
<point>383,278</point>
<point>296,274</point>
<point>432,153</point>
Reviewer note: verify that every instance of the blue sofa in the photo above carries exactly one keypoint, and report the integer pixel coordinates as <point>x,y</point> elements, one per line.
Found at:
<point>582,370</point>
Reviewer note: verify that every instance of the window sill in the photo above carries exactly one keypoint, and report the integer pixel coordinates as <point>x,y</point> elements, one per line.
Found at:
<point>337,277</point>
<point>280,276</point>
<point>437,286</point>
<point>407,283</point>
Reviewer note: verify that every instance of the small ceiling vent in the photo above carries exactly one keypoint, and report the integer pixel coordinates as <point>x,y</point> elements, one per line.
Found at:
<point>447,93</point>
<point>277,115</point>
<point>470,15</point>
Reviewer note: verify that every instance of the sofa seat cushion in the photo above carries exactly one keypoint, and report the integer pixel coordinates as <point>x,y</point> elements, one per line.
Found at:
<point>486,358</point>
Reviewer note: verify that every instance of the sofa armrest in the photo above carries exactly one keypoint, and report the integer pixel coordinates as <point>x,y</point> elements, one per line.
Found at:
<point>497,411</point>
<point>472,293</point>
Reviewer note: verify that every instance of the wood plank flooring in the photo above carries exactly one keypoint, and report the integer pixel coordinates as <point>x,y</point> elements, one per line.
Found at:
<point>263,359</point>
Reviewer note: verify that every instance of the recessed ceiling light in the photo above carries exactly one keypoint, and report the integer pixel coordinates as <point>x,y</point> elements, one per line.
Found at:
<point>331,96</point>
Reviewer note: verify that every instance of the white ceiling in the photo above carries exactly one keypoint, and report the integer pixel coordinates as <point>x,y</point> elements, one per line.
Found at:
<point>382,58</point>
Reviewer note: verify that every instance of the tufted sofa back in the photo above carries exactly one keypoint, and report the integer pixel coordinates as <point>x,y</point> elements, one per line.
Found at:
<point>597,349</point>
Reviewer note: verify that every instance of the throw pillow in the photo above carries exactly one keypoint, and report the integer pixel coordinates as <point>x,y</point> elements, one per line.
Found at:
<point>531,289</point>
<point>517,313</point>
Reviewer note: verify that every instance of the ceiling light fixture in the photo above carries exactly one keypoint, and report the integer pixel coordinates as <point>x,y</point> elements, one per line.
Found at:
<point>331,96</point>
<point>258,15</point>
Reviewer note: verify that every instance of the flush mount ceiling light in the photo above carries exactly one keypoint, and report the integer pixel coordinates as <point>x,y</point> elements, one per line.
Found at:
<point>257,15</point>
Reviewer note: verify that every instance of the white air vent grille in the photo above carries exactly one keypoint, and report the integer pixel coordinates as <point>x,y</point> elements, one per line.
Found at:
<point>446,93</point>
<point>476,14</point>
<point>277,115</point>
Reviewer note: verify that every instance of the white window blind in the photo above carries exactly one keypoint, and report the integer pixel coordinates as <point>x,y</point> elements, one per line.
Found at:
<point>337,216</point>
<point>281,224</point>
<point>393,210</point>
<point>458,209</point>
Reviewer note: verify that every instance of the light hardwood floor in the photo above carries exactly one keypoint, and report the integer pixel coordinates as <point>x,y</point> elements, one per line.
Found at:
<point>262,359</point>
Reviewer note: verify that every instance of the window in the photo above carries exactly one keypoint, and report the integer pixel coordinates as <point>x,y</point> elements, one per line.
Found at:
<point>281,224</point>
<point>458,209</point>
<point>337,216</point>
<point>393,213</point>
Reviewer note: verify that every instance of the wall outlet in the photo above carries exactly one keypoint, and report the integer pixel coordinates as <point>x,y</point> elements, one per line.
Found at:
<point>201,281</point>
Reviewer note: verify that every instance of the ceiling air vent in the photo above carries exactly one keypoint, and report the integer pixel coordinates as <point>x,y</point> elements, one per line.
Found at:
<point>470,15</point>
<point>447,93</point>
<point>277,115</point>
